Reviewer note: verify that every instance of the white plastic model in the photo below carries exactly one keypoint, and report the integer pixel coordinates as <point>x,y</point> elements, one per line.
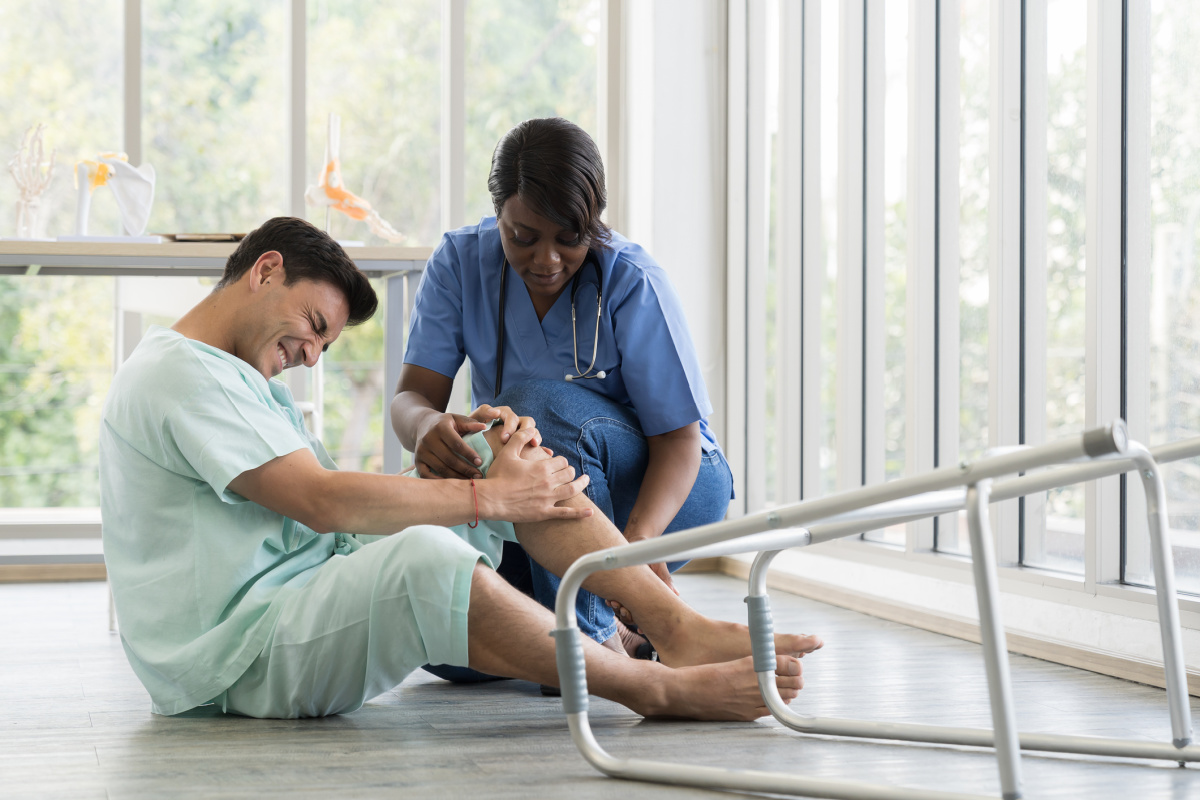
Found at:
<point>32,172</point>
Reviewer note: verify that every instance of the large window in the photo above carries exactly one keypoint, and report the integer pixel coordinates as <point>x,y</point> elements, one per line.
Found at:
<point>1048,153</point>
<point>1056,133</point>
<point>216,121</point>
<point>1169,350</point>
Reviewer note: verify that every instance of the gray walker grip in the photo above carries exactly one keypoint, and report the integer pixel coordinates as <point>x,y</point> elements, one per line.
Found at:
<point>762,632</point>
<point>572,669</point>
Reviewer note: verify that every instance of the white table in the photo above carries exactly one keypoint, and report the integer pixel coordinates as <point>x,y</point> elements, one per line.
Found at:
<point>395,264</point>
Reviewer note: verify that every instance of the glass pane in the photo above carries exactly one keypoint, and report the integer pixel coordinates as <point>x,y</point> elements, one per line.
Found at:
<point>1174,357</point>
<point>525,59</point>
<point>55,369</point>
<point>895,249</point>
<point>973,162</point>
<point>1061,544</point>
<point>61,69</point>
<point>214,113</point>
<point>830,12</point>
<point>377,66</point>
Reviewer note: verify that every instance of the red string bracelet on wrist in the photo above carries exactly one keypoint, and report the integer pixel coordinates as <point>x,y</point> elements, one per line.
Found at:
<point>476,497</point>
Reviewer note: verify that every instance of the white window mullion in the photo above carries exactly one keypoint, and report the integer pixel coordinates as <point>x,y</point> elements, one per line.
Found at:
<point>920,373</point>
<point>1103,281</point>
<point>454,112</point>
<point>132,97</point>
<point>612,108</point>
<point>297,29</point>
<point>1138,255</point>
<point>948,346</point>
<point>735,273</point>
<point>851,152</point>
<point>790,233</point>
<point>874,286</point>
<point>1036,210</point>
<point>758,227</point>
<point>813,261</point>
<point>1004,244</point>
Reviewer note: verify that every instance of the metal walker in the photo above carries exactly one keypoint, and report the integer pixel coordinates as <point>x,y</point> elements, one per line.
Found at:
<point>971,487</point>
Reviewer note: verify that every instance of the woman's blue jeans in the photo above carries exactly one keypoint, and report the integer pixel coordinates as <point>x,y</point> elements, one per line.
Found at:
<point>603,440</point>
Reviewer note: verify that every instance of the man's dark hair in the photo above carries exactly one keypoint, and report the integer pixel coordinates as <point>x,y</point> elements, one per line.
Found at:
<point>555,168</point>
<point>309,254</point>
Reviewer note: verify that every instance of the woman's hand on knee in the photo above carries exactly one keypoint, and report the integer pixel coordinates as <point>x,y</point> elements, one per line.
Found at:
<point>441,451</point>
<point>510,423</point>
<point>526,485</point>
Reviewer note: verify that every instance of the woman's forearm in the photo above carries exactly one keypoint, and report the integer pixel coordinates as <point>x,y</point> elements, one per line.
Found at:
<point>671,470</point>
<point>421,396</point>
<point>411,413</point>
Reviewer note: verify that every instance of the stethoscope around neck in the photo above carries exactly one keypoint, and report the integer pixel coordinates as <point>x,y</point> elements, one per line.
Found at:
<point>585,374</point>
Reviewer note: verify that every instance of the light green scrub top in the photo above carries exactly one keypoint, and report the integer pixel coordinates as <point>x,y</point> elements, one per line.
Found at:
<point>195,567</point>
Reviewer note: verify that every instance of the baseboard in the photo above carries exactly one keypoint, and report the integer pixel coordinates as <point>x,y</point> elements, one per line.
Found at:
<point>703,565</point>
<point>34,573</point>
<point>1128,668</point>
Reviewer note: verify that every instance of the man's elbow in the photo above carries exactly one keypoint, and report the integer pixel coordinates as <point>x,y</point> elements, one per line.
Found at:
<point>318,508</point>
<point>321,516</point>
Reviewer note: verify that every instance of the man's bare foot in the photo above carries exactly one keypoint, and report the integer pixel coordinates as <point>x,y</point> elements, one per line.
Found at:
<point>727,691</point>
<point>708,641</point>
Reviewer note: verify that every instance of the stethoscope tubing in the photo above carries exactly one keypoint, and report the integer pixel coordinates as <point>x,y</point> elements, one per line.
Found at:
<point>579,374</point>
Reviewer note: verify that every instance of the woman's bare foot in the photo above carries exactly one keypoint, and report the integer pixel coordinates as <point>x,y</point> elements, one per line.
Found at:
<point>630,641</point>
<point>708,641</point>
<point>727,691</point>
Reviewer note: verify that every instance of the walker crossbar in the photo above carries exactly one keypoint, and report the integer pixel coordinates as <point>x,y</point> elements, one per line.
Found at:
<point>970,486</point>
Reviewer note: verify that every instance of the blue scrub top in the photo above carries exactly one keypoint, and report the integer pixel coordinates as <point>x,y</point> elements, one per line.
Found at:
<point>645,348</point>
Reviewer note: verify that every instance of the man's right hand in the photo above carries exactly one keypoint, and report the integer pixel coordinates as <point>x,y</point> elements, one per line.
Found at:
<point>525,483</point>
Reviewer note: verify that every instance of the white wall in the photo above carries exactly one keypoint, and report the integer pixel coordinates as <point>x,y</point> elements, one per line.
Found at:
<point>675,169</point>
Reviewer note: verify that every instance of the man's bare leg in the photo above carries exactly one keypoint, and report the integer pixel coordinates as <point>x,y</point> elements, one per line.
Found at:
<point>507,635</point>
<point>681,635</point>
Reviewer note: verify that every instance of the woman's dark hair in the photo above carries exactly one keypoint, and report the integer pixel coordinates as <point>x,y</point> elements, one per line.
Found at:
<point>555,168</point>
<point>309,254</point>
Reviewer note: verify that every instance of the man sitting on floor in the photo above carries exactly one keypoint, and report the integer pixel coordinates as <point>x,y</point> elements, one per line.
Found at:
<point>232,540</point>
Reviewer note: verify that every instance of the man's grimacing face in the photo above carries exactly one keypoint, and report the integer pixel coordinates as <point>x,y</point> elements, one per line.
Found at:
<point>290,325</point>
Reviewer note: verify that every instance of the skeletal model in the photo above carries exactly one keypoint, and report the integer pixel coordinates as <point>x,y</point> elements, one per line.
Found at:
<point>132,186</point>
<point>330,190</point>
<point>32,173</point>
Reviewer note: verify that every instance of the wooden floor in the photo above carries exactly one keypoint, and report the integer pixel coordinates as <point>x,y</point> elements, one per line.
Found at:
<point>75,723</point>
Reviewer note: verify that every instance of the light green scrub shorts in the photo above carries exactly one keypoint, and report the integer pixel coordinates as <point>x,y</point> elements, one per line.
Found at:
<point>362,622</point>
